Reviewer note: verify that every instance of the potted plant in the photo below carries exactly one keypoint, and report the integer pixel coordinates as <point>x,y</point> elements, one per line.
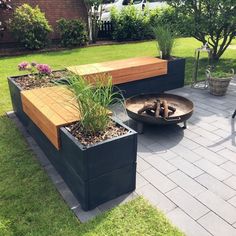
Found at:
<point>176,66</point>
<point>219,81</point>
<point>99,151</point>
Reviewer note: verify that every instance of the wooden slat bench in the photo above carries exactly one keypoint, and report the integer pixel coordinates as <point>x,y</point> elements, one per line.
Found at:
<point>123,71</point>
<point>50,108</point>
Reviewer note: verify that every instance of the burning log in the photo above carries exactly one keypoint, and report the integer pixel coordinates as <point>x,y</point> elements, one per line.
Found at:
<point>158,109</point>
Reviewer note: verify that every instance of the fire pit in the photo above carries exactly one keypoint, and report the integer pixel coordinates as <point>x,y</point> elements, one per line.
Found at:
<point>159,109</point>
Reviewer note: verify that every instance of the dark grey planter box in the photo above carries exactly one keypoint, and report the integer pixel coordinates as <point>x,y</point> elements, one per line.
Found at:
<point>104,171</point>
<point>97,174</point>
<point>15,91</point>
<point>159,84</point>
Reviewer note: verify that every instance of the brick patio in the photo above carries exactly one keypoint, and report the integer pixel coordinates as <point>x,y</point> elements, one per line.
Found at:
<point>188,174</point>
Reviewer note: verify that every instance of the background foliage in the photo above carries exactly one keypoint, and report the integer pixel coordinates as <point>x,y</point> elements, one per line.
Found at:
<point>72,32</point>
<point>212,21</point>
<point>30,26</point>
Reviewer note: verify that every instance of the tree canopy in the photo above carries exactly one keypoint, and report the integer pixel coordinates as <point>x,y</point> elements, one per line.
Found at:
<point>212,21</point>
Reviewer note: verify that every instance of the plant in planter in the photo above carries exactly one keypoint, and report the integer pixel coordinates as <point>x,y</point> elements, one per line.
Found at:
<point>99,152</point>
<point>165,41</point>
<point>176,66</point>
<point>219,81</point>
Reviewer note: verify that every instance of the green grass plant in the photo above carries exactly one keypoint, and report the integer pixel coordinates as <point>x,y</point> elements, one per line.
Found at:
<point>93,100</point>
<point>165,40</point>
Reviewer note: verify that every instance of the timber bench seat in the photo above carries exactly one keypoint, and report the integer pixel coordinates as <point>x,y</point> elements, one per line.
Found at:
<point>123,71</point>
<point>50,108</point>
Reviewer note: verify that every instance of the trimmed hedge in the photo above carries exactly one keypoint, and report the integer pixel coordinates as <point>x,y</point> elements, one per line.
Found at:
<point>133,24</point>
<point>30,26</point>
<point>73,32</point>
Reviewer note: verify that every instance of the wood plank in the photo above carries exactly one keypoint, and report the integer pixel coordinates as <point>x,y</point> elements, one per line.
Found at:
<point>45,108</point>
<point>123,68</point>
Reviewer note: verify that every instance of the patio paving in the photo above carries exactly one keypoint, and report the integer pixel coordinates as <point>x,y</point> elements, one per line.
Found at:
<point>188,174</point>
<point>191,174</point>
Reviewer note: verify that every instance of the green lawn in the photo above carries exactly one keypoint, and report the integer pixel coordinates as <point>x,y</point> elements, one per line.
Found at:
<point>31,206</point>
<point>29,203</point>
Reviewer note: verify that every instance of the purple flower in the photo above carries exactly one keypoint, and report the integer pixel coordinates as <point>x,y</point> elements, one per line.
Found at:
<point>23,65</point>
<point>44,69</point>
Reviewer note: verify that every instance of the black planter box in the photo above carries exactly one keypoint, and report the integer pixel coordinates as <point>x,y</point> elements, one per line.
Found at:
<point>105,170</point>
<point>159,84</point>
<point>15,91</point>
<point>96,174</point>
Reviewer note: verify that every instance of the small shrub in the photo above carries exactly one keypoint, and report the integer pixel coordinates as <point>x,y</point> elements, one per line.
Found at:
<point>93,101</point>
<point>73,32</point>
<point>130,24</point>
<point>165,40</point>
<point>30,26</point>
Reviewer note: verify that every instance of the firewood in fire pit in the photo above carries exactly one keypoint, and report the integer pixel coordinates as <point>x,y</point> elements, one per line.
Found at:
<point>158,109</point>
<point>173,109</point>
<point>165,106</point>
<point>148,106</point>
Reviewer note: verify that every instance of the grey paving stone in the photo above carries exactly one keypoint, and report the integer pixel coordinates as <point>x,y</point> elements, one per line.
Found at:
<point>186,183</point>
<point>188,143</point>
<point>216,225</point>
<point>145,139</point>
<point>142,165</point>
<point>187,203</point>
<point>117,201</point>
<point>140,181</point>
<point>216,186</point>
<point>41,156</point>
<point>160,181</point>
<point>232,201</point>
<point>207,126</point>
<point>219,206</point>
<point>162,151</point>
<point>189,226</point>
<point>160,164</point>
<point>209,155</point>
<point>186,167</point>
<point>85,216</point>
<point>206,134</point>
<point>52,173</point>
<point>205,142</point>
<point>231,182</point>
<point>228,154</point>
<point>229,166</point>
<point>156,198</point>
<point>186,153</point>
<point>213,169</point>
<point>143,151</point>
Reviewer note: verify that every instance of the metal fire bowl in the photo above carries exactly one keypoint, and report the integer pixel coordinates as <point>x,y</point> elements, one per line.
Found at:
<point>184,108</point>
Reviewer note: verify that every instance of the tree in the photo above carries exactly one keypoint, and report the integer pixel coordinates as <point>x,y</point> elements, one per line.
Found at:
<point>94,14</point>
<point>209,21</point>
<point>4,5</point>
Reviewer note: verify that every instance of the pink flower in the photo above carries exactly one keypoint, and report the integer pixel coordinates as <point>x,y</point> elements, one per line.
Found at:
<point>44,69</point>
<point>23,65</point>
